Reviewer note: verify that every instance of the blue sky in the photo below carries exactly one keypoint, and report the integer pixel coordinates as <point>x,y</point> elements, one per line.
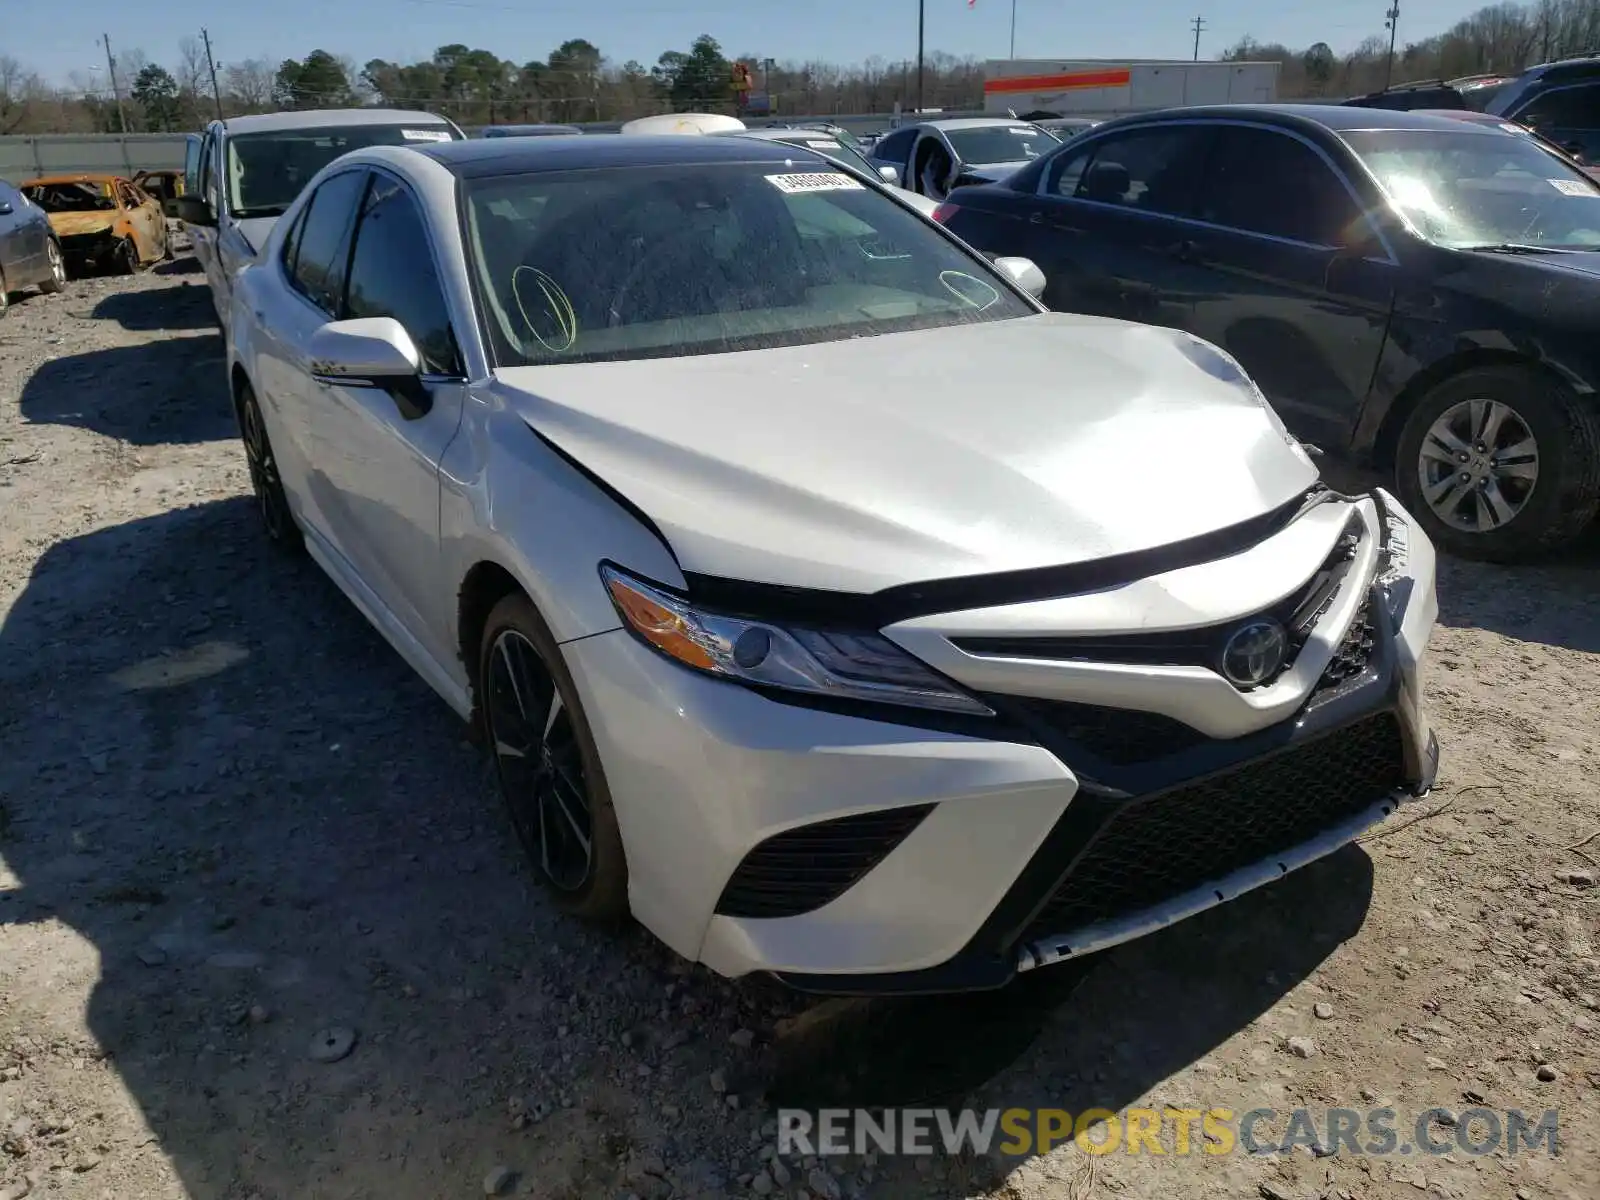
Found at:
<point>35,32</point>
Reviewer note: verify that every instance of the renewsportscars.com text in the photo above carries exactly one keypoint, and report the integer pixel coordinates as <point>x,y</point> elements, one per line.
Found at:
<point>1375,1132</point>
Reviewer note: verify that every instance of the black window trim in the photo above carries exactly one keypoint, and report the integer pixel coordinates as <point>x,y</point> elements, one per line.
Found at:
<point>311,197</point>
<point>1087,141</point>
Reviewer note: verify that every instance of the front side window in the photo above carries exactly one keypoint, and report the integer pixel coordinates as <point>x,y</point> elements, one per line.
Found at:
<point>1150,170</point>
<point>1265,182</point>
<point>581,266</point>
<point>1564,108</point>
<point>999,143</point>
<point>1473,189</point>
<point>267,170</point>
<point>323,253</point>
<point>895,148</point>
<point>392,275</point>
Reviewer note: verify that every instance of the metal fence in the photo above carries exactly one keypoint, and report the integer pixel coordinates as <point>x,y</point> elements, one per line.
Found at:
<point>90,153</point>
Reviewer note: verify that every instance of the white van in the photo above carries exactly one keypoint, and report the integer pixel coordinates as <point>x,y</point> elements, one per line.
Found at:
<point>241,174</point>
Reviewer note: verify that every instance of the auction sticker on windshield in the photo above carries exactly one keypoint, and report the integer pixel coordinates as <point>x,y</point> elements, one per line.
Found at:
<point>425,135</point>
<point>1571,187</point>
<point>818,181</point>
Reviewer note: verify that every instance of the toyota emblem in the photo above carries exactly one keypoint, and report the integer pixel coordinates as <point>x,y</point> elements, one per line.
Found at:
<point>1254,653</point>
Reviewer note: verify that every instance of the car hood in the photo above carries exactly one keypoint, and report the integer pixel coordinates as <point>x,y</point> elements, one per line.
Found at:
<point>76,224</point>
<point>862,464</point>
<point>256,231</point>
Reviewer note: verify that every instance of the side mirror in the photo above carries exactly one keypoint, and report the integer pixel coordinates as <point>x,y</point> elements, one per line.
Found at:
<point>1023,272</point>
<point>191,210</point>
<point>371,352</point>
<point>889,174</point>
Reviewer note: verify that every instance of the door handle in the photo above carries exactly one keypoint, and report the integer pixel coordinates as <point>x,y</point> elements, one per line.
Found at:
<point>1185,251</point>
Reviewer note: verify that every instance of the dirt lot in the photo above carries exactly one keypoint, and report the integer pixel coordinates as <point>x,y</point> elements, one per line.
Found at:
<point>234,830</point>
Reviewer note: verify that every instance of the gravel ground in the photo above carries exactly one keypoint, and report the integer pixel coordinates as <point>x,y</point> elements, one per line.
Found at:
<point>265,933</point>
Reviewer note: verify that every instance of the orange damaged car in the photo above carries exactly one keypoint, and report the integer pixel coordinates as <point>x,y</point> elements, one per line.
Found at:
<point>102,221</point>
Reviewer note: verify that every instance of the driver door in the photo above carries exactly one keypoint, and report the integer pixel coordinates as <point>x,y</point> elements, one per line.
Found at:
<point>377,454</point>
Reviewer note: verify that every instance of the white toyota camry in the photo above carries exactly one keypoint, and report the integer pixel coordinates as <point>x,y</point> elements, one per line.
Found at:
<point>825,603</point>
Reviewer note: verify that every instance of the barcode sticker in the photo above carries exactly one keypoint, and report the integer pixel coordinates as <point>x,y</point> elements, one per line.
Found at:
<point>425,135</point>
<point>1572,187</point>
<point>814,181</point>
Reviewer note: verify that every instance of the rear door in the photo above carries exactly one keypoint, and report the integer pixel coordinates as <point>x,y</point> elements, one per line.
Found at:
<point>1108,228</point>
<point>1290,278</point>
<point>23,238</point>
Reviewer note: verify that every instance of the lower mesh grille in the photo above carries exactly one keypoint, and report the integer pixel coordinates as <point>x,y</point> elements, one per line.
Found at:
<point>1353,653</point>
<point>1157,848</point>
<point>802,869</point>
<point>1120,736</point>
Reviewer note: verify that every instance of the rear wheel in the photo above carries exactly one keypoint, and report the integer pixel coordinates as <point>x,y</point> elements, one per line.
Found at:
<point>5,301</point>
<point>1500,464</point>
<point>548,766</point>
<point>271,500</point>
<point>57,278</point>
<point>127,256</point>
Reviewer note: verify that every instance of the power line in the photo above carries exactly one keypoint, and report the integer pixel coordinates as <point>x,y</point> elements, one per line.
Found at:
<point>1199,24</point>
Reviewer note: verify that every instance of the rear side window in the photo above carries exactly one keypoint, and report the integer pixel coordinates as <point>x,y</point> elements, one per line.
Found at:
<point>392,275</point>
<point>323,252</point>
<point>1270,183</point>
<point>1564,108</point>
<point>1152,170</point>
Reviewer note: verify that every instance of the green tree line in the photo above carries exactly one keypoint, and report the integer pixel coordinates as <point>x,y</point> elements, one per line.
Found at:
<point>577,82</point>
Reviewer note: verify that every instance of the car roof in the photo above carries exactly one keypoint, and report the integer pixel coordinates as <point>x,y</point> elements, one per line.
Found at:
<point>329,118</point>
<point>78,177</point>
<point>973,122</point>
<point>1335,117</point>
<point>481,157</point>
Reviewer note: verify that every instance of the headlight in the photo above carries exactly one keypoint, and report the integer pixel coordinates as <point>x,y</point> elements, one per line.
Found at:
<point>818,662</point>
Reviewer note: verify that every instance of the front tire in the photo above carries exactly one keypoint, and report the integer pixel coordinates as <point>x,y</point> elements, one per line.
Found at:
<point>277,521</point>
<point>1500,464</point>
<point>127,257</point>
<point>547,765</point>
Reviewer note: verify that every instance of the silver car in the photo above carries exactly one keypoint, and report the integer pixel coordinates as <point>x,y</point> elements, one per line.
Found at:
<point>823,602</point>
<point>30,256</point>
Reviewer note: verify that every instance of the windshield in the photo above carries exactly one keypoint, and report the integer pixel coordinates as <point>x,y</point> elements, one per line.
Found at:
<point>267,170</point>
<point>999,143</point>
<point>1480,189</point>
<point>648,262</point>
<point>834,149</point>
<point>72,197</point>
<point>1479,96</point>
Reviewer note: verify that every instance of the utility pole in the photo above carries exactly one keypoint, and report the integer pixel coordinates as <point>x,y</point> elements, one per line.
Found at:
<point>1199,24</point>
<point>111,65</point>
<point>1392,20</point>
<point>922,24</point>
<point>216,92</point>
<point>1013,28</point>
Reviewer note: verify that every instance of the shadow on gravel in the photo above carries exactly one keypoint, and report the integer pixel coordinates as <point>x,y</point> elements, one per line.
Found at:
<point>269,828</point>
<point>157,393</point>
<point>182,306</point>
<point>183,264</point>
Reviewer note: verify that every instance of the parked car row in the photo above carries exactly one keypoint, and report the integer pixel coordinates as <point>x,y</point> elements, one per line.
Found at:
<point>825,602</point>
<point>1414,290</point>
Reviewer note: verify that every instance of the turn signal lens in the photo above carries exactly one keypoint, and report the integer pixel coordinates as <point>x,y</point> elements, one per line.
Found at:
<point>844,665</point>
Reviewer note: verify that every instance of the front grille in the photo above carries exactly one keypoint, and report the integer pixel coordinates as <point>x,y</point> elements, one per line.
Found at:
<point>1353,653</point>
<point>800,870</point>
<point>1158,847</point>
<point>1298,613</point>
<point>1123,737</point>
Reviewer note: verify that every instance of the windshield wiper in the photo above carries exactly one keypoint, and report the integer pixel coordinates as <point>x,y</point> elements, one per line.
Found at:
<point>1517,248</point>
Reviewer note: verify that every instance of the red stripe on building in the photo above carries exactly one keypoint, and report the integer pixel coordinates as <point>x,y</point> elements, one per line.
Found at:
<point>1059,83</point>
